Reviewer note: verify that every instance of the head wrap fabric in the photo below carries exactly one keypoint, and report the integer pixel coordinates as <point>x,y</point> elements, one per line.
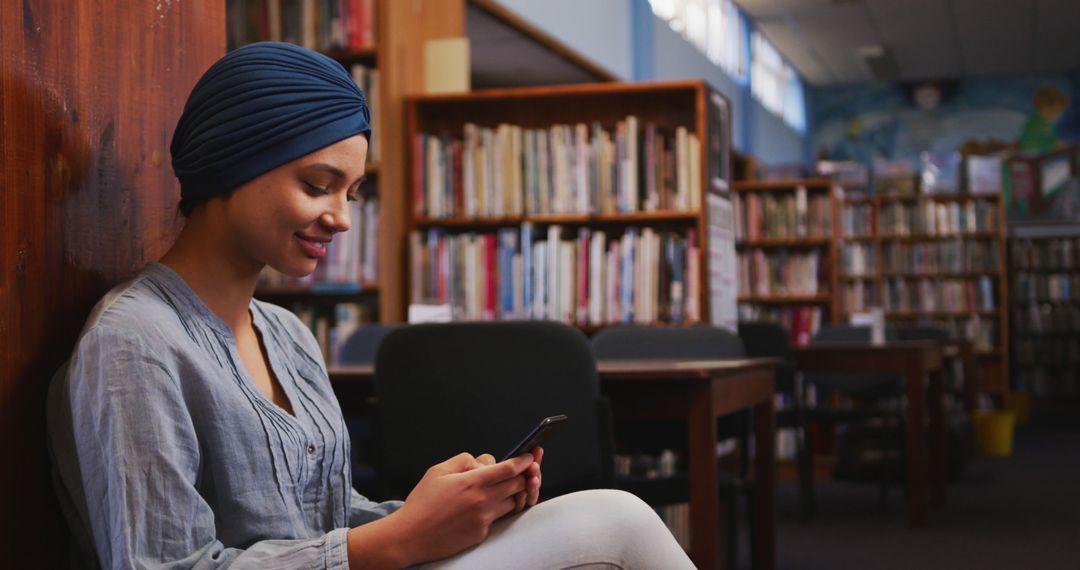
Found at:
<point>261,106</point>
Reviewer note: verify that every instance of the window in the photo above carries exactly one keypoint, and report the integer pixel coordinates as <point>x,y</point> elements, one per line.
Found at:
<point>776,84</point>
<point>714,27</point>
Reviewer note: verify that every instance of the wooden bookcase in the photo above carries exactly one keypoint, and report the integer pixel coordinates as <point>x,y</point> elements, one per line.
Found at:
<point>398,56</point>
<point>1045,311</point>
<point>691,105</point>
<point>915,261</point>
<point>787,231</point>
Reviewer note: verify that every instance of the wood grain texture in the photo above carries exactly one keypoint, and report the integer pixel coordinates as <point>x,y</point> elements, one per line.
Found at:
<point>89,94</point>
<point>404,27</point>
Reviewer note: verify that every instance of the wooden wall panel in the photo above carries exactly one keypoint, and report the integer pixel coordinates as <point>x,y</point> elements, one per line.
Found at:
<point>405,26</point>
<point>90,91</point>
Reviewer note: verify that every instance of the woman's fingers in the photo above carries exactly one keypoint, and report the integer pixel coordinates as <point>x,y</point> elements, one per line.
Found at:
<point>507,488</point>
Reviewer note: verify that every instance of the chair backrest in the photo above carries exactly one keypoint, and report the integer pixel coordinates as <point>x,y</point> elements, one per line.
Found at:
<point>480,387</point>
<point>765,339</point>
<point>363,343</point>
<point>923,332</point>
<point>850,333</point>
<point>864,385</point>
<point>638,342</point>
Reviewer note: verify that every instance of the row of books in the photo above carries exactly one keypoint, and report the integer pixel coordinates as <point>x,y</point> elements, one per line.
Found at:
<point>564,169</point>
<point>956,256</point>
<point>332,326</point>
<point>1048,352</point>
<point>780,272</point>
<point>1047,320</point>
<point>592,278</point>
<point>858,259</point>
<point>1047,287</point>
<point>352,258</point>
<point>1048,380</point>
<point>858,219</point>
<point>314,24</point>
<point>858,296</point>
<point>368,80</point>
<point>1061,254</point>
<point>802,321</point>
<point>782,216</point>
<point>939,295</point>
<point>981,331</point>
<point>927,217</point>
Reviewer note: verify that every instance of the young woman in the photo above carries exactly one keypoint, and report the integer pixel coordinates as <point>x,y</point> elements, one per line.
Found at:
<point>195,427</point>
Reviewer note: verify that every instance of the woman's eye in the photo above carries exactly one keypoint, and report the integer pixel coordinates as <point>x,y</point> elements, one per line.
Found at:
<point>319,190</point>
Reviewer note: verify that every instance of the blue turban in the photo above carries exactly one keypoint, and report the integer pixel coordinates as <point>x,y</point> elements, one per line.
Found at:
<point>261,106</point>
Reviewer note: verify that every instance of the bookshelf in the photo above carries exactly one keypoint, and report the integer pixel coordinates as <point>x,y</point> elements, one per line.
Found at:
<point>786,246</point>
<point>590,204</point>
<point>1045,305</point>
<point>381,44</point>
<point>931,259</point>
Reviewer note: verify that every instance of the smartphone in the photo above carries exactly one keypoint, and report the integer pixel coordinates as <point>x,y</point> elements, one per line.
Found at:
<point>545,428</point>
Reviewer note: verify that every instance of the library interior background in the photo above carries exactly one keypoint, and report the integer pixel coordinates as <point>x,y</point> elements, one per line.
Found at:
<point>859,173</point>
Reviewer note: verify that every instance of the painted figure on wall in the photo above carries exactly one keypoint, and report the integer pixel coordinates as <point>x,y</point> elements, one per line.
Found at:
<point>1038,135</point>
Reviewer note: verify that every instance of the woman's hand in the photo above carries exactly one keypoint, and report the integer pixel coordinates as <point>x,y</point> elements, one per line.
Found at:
<point>454,504</point>
<point>533,478</point>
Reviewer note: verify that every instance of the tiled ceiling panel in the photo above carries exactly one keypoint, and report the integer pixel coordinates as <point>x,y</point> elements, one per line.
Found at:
<point>919,33</point>
<point>928,38</point>
<point>995,35</point>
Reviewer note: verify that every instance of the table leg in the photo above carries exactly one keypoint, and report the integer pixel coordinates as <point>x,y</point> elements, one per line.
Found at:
<point>971,386</point>
<point>917,469</point>
<point>764,547</point>
<point>704,492</point>
<point>939,438</point>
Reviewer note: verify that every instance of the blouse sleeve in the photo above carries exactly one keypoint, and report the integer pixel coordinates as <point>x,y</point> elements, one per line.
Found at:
<point>363,510</point>
<point>138,461</point>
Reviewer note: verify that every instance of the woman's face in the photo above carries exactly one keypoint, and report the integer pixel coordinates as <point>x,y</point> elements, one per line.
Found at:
<point>287,217</point>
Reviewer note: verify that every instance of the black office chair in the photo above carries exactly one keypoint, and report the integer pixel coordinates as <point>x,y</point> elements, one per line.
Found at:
<point>633,342</point>
<point>360,348</point>
<point>363,343</point>
<point>769,339</point>
<point>876,409</point>
<point>480,387</point>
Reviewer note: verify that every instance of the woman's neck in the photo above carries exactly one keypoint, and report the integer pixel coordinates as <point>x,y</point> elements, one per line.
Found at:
<point>222,278</point>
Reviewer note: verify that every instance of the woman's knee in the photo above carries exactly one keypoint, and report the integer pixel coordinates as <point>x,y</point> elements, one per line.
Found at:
<point>609,510</point>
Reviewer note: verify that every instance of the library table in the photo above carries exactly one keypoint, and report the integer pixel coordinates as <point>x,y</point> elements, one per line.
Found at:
<point>699,392</point>
<point>916,361</point>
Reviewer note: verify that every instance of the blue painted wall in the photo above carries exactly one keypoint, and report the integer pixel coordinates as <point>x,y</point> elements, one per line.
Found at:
<point>626,38</point>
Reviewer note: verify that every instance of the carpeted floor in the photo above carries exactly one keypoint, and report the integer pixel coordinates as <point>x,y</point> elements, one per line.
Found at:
<point>1016,513</point>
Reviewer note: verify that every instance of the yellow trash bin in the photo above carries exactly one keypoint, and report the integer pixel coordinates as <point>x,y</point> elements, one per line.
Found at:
<point>1019,403</point>
<point>994,432</point>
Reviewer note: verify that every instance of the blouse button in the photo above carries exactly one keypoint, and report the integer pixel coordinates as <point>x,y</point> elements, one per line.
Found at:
<point>311,449</point>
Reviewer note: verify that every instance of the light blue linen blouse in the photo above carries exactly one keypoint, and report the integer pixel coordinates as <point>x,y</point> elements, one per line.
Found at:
<point>166,454</point>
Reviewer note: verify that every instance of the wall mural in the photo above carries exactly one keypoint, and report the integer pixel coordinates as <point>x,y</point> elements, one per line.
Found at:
<point>1030,122</point>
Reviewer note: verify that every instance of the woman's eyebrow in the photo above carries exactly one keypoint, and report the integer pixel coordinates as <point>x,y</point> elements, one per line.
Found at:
<point>335,171</point>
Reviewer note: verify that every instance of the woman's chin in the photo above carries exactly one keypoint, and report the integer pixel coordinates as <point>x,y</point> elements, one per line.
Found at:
<point>296,269</point>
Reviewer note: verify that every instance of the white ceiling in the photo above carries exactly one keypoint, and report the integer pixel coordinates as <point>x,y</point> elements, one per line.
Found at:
<point>927,38</point>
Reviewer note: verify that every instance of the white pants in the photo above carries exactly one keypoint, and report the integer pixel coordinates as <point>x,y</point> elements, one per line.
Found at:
<point>588,529</point>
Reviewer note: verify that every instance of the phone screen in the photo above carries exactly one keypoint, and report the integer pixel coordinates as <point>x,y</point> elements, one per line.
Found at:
<point>545,428</point>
